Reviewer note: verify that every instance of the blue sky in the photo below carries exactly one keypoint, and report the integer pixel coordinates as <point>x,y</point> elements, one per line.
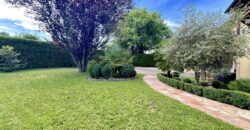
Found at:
<point>15,21</point>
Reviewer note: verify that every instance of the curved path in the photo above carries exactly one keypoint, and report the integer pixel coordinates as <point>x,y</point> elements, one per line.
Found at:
<point>224,112</point>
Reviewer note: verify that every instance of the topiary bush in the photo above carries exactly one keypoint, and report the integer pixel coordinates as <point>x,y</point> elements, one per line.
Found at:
<point>204,83</point>
<point>9,59</point>
<point>90,67</point>
<point>97,71</point>
<point>187,80</point>
<point>240,85</point>
<point>216,84</point>
<point>127,71</point>
<point>106,71</point>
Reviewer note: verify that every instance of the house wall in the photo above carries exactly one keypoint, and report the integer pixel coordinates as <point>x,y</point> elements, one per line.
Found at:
<point>243,64</point>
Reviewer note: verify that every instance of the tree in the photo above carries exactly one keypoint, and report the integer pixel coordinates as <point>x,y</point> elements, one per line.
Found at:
<point>29,36</point>
<point>9,59</point>
<point>141,31</point>
<point>78,26</point>
<point>4,34</point>
<point>206,41</point>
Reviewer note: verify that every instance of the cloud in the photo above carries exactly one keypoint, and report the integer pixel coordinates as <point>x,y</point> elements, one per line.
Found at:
<point>17,15</point>
<point>4,28</point>
<point>171,23</point>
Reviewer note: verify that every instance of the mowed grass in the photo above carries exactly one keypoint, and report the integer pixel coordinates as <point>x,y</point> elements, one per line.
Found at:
<point>59,99</point>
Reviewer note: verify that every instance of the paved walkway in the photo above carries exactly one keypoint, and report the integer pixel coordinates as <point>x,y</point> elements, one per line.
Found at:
<point>224,112</point>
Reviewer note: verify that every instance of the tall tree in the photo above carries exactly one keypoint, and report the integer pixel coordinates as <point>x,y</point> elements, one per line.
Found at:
<point>141,31</point>
<point>78,26</point>
<point>206,41</point>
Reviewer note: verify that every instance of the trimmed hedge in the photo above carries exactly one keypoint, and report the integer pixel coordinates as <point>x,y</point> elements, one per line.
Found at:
<point>238,99</point>
<point>38,54</point>
<point>144,60</point>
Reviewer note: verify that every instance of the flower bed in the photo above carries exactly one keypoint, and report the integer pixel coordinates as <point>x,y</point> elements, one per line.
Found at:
<point>235,98</point>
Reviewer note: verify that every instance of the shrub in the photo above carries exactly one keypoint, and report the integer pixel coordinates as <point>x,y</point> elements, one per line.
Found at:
<point>127,71</point>
<point>106,71</point>
<point>115,74</point>
<point>236,98</point>
<point>187,80</point>
<point>9,59</point>
<point>144,60</point>
<point>240,85</point>
<point>175,74</point>
<point>38,54</point>
<point>177,78</point>
<point>203,83</point>
<point>96,71</point>
<point>216,84</point>
<point>90,67</point>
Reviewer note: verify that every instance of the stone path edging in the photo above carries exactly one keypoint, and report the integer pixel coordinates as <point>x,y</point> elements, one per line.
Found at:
<point>224,112</point>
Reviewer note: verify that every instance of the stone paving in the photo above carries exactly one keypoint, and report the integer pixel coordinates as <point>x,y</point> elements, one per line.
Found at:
<point>224,112</point>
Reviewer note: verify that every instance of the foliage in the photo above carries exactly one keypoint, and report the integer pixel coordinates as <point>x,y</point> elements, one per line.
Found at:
<point>127,71</point>
<point>205,42</point>
<point>116,56</point>
<point>216,84</point>
<point>9,59</point>
<point>38,54</point>
<point>80,26</point>
<point>187,80</point>
<point>141,31</point>
<point>4,34</point>
<point>106,71</point>
<point>97,71</point>
<point>238,99</point>
<point>240,85</point>
<point>144,60</point>
<point>175,74</point>
<point>64,99</point>
<point>204,83</point>
<point>29,36</point>
<point>90,67</point>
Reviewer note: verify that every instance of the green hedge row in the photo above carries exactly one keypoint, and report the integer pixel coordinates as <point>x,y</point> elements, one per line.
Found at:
<point>144,60</point>
<point>38,54</point>
<point>238,99</point>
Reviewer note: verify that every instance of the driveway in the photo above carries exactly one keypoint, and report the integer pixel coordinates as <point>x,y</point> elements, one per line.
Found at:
<point>147,70</point>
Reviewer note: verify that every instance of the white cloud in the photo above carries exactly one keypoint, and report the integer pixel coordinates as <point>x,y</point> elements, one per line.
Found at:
<point>171,23</point>
<point>17,14</point>
<point>4,28</point>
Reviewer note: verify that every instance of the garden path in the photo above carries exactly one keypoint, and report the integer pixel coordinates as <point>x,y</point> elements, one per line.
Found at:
<point>224,112</point>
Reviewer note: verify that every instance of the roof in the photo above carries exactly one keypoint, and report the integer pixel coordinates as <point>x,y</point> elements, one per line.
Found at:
<point>232,5</point>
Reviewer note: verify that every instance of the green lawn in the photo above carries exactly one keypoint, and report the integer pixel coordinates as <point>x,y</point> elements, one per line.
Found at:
<point>64,99</point>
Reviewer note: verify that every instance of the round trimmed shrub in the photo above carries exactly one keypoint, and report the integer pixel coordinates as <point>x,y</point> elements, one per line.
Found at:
<point>90,67</point>
<point>106,71</point>
<point>177,78</point>
<point>216,84</point>
<point>203,83</point>
<point>127,71</point>
<point>97,71</point>
<point>187,80</point>
<point>175,74</point>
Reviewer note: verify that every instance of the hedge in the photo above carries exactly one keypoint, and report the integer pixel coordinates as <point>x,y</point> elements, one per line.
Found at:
<point>235,98</point>
<point>38,54</point>
<point>144,60</point>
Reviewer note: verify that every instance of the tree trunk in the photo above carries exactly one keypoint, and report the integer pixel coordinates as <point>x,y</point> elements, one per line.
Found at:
<point>197,78</point>
<point>81,63</point>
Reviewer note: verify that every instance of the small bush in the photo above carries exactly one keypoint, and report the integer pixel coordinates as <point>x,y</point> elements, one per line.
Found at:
<point>216,84</point>
<point>106,71</point>
<point>175,74</point>
<point>240,85</point>
<point>90,67</point>
<point>127,71</point>
<point>9,59</point>
<point>203,83</point>
<point>116,74</point>
<point>96,71</point>
<point>187,80</point>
